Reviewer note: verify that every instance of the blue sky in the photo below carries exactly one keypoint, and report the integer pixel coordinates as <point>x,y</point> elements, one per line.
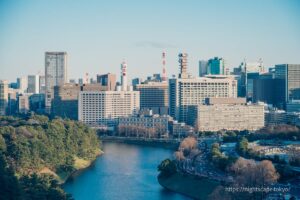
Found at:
<point>98,35</point>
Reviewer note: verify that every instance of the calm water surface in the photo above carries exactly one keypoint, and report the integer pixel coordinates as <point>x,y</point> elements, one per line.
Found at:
<point>123,172</point>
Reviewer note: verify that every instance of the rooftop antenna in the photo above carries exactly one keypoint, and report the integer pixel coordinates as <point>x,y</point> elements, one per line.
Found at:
<point>261,66</point>
<point>246,77</point>
<point>86,78</point>
<point>124,75</point>
<point>164,73</point>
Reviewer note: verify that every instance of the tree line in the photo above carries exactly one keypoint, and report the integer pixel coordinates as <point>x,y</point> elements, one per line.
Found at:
<point>29,145</point>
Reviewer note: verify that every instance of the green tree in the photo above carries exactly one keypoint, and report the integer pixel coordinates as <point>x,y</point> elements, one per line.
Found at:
<point>242,146</point>
<point>167,167</point>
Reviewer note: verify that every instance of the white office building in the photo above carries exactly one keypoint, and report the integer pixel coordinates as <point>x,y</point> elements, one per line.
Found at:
<point>103,108</point>
<point>189,92</point>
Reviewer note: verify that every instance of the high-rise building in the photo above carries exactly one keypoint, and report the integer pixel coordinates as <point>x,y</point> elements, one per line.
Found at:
<point>154,96</point>
<point>108,80</point>
<point>65,98</point>
<point>80,81</point>
<point>33,84</point>
<point>37,103</point>
<point>247,73</point>
<point>65,101</point>
<point>22,84</point>
<point>3,97</point>
<point>23,103</point>
<point>269,90</point>
<point>291,74</point>
<point>55,74</point>
<point>12,101</point>
<point>185,93</point>
<point>136,81</point>
<point>216,66</point>
<point>203,65</point>
<point>251,77</point>
<point>42,86</point>
<point>103,108</point>
<point>228,114</point>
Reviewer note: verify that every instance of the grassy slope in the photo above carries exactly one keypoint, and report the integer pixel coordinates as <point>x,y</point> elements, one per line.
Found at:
<point>78,165</point>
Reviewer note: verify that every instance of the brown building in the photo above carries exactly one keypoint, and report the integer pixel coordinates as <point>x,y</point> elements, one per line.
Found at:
<point>108,80</point>
<point>65,101</point>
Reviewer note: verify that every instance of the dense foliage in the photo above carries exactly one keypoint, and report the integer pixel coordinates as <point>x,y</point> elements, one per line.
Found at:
<point>242,146</point>
<point>219,159</point>
<point>281,132</point>
<point>167,167</point>
<point>37,152</point>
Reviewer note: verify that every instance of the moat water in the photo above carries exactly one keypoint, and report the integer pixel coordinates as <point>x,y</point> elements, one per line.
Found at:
<point>124,171</point>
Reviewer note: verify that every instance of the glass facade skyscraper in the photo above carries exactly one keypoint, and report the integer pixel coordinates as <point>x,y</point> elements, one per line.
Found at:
<point>216,66</point>
<point>291,74</point>
<point>55,74</point>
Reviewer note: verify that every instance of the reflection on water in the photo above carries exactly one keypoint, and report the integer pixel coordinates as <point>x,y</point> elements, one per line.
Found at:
<point>122,172</point>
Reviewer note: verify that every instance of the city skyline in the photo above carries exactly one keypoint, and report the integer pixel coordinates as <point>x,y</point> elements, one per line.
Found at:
<point>98,35</point>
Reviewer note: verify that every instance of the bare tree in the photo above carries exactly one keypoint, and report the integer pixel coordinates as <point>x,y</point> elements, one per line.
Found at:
<point>254,174</point>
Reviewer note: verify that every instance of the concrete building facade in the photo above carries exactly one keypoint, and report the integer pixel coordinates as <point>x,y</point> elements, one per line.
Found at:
<point>23,103</point>
<point>33,84</point>
<point>108,80</point>
<point>186,93</point>
<point>3,97</point>
<point>233,115</point>
<point>103,108</point>
<point>153,126</point>
<point>154,96</point>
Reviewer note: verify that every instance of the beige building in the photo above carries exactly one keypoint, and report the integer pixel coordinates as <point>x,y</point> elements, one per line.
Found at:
<point>231,115</point>
<point>108,80</point>
<point>65,98</point>
<point>3,96</point>
<point>151,126</point>
<point>154,96</point>
<point>189,92</point>
<point>103,108</point>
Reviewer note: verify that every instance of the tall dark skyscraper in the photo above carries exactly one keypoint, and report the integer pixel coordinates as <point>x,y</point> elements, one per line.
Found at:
<point>215,66</point>
<point>291,74</point>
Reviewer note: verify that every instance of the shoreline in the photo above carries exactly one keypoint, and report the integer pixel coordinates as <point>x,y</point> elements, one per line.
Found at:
<point>162,143</point>
<point>189,185</point>
<point>79,170</point>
